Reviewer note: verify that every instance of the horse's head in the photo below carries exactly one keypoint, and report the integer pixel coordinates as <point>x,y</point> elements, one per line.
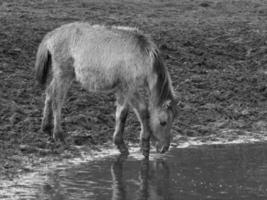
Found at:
<point>161,119</point>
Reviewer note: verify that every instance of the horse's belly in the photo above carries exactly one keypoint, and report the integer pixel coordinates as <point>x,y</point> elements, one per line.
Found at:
<point>94,80</point>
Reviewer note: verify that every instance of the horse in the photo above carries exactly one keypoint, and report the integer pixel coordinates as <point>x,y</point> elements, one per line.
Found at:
<point>117,59</point>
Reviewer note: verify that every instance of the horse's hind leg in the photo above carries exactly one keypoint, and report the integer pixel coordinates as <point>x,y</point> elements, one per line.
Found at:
<point>141,110</point>
<point>121,115</point>
<point>59,87</point>
<point>47,114</point>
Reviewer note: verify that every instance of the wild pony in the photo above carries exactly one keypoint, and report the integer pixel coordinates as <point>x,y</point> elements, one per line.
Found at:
<point>114,59</point>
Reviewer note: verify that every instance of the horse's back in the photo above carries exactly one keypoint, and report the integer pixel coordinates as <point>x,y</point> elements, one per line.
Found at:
<point>104,57</point>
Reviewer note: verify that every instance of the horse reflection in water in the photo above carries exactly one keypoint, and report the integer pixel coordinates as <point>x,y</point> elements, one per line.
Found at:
<point>153,181</point>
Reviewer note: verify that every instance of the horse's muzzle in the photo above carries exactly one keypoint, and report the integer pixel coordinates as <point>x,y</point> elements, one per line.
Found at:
<point>161,148</point>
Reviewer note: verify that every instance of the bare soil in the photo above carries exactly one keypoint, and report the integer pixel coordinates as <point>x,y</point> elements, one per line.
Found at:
<point>215,50</point>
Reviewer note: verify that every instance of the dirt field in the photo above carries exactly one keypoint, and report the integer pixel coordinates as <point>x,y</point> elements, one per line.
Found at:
<point>215,50</point>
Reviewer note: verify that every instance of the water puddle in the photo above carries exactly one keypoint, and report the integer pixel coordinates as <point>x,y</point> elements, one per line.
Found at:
<point>225,171</point>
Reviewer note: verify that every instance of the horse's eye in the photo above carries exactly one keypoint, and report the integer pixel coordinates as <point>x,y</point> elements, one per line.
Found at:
<point>163,123</point>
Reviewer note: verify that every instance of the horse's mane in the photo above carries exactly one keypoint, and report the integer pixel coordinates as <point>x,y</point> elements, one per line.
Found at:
<point>163,85</point>
<point>163,89</point>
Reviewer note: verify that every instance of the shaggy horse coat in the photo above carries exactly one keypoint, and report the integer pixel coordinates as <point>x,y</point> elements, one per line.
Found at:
<point>112,59</point>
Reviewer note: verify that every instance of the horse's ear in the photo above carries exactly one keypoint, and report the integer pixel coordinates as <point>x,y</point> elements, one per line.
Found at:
<point>170,105</point>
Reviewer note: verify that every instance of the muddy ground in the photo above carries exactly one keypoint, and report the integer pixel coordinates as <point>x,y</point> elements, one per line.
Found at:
<point>215,50</point>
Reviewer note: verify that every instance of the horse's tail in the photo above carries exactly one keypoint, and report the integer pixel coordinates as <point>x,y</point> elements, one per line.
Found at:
<point>42,64</point>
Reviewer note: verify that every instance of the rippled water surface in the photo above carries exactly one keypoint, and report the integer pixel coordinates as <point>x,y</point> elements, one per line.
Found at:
<point>237,171</point>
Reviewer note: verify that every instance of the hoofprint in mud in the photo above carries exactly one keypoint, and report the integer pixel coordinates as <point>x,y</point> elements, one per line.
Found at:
<point>117,59</point>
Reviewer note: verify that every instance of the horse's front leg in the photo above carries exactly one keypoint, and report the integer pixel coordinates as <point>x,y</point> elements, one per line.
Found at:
<point>121,116</point>
<point>141,111</point>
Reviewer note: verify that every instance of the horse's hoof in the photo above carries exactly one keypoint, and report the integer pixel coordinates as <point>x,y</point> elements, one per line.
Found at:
<point>47,130</point>
<point>122,157</point>
<point>123,149</point>
<point>145,152</point>
<point>60,137</point>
